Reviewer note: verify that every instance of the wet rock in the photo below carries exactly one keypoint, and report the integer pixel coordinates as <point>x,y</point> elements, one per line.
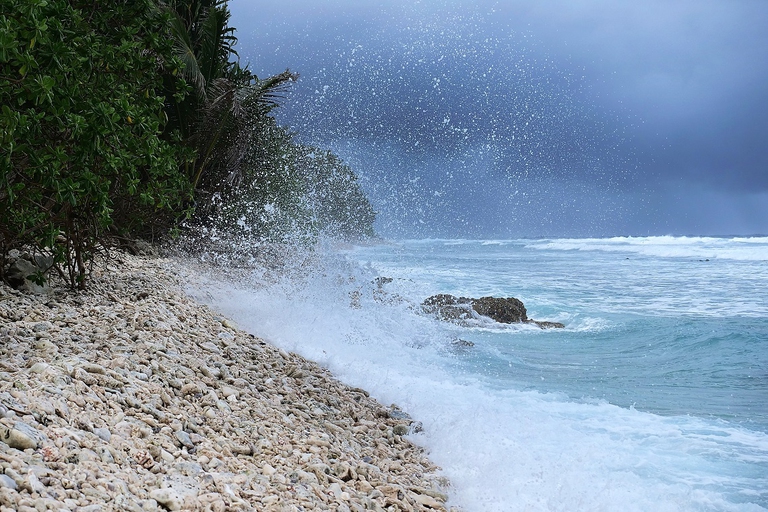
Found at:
<point>461,344</point>
<point>397,414</point>
<point>505,310</point>
<point>400,430</point>
<point>548,325</point>
<point>448,307</point>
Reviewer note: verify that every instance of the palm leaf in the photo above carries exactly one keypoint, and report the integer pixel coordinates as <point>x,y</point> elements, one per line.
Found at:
<point>186,53</point>
<point>266,94</point>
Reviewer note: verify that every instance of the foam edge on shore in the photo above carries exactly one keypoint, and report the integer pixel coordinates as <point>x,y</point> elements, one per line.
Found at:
<point>132,396</point>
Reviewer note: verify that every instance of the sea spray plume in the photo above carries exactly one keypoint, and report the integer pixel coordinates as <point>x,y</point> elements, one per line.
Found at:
<point>286,194</point>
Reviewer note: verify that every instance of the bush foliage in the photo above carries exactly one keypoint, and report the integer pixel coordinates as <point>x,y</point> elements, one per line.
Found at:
<point>83,95</point>
<point>119,118</point>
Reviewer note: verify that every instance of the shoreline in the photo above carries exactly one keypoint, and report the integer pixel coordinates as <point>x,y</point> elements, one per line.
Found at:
<point>133,396</point>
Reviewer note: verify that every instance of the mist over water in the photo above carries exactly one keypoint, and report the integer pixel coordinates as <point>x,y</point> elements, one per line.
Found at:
<point>458,124</point>
<point>510,119</point>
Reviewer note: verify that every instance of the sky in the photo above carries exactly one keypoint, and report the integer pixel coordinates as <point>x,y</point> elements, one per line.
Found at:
<point>503,119</point>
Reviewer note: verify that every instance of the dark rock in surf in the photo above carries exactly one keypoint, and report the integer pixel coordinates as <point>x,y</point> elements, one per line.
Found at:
<point>504,310</point>
<point>547,325</point>
<point>508,310</point>
<point>448,307</point>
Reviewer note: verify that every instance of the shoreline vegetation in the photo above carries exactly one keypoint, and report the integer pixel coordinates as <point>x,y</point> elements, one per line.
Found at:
<point>131,396</point>
<point>135,119</point>
<point>130,122</point>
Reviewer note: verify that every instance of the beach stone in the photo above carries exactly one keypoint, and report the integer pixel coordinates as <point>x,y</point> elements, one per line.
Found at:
<point>105,455</point>
<point>228,391</point>
<point>42,326</point>
<point>7,482</point>
<point>103,433</point>
<point>190,389</point>
<point>168,498</point>
<point>35,484</point>
<point>184,438</point>
<point>123,502</point>
<point>94,368</point>
<point>167,456</point>
<point>189,468</point>
<point>400,430</point>
<point>39,367</point>
<point>83,376</point>
<point>45,345</point>
<point>427,501</point>
<point>196,438</point>
<point>21,436</point>
<point>211,347</point>
<point>44,411</point>
<point>88,455</point>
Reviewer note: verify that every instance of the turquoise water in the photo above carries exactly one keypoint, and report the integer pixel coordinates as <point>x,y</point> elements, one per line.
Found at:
<point>681,333</point>
<point>653,397</point>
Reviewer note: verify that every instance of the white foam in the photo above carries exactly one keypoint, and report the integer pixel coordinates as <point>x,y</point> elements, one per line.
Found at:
<point>503,449</point>
<point>746,249</point>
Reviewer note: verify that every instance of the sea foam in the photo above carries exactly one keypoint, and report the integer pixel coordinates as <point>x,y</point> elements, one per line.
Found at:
<point>505,430</point>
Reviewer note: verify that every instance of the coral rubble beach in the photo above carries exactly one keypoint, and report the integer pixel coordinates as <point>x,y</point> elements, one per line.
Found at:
<point>131,396</point>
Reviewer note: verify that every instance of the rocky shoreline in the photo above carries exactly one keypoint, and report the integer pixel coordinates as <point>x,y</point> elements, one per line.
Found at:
<point>131,396</point>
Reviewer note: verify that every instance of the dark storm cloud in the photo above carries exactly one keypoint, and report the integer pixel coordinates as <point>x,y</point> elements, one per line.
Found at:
<point>518,104</point>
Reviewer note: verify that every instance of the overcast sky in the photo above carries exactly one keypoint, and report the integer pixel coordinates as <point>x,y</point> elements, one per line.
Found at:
<point>532,118</point>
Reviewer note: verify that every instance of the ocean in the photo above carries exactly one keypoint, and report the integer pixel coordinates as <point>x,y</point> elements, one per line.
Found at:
<point>653,397</point>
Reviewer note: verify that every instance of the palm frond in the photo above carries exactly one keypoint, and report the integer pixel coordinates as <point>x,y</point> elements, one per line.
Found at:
<point>186,53</point>
<point>216,43</point>
<point>266,94</point>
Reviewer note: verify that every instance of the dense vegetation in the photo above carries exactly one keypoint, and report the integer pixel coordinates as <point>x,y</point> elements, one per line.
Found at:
<point>129,118</point>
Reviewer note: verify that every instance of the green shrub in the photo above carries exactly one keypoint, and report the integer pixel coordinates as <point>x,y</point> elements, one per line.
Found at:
<point>82,98</point>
